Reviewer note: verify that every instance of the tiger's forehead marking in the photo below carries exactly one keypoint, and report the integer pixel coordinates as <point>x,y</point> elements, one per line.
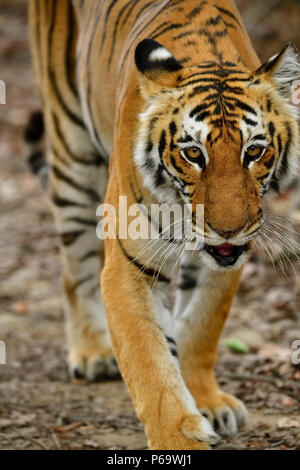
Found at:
<point>217,101</point>
<point>220,108</point>
<point>193,129</point>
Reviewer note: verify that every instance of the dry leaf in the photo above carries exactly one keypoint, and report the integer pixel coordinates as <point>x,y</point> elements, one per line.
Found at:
<point>20,307</point>
<point>67,427</point>
<point>287,422</point>
<point>90,443</point>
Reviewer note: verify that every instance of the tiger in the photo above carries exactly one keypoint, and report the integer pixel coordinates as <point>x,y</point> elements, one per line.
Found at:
<point>161,102</point>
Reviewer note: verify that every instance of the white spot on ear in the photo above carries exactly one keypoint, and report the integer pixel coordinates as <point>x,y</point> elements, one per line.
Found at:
<point>161,53</point>
<point>272,58</point>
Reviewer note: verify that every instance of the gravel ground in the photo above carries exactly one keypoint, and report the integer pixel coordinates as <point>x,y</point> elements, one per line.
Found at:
<point>39,407</point>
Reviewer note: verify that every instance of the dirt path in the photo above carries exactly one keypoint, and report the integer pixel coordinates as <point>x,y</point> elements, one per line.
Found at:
<point>39,407</point>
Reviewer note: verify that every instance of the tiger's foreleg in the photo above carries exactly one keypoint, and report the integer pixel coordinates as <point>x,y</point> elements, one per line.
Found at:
<point>145,354</point>
<point>203,301</point>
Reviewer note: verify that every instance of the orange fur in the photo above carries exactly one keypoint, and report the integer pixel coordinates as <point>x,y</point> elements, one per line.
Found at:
<point>103,117</point>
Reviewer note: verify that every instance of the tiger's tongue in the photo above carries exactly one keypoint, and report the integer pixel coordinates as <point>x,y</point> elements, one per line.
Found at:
<point>226,249</point>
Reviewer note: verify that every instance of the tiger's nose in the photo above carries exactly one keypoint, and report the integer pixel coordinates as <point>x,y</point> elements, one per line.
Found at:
<point>226,233</point>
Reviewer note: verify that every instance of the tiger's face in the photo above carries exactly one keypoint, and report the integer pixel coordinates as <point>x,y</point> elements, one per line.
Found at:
<point>220,136</point>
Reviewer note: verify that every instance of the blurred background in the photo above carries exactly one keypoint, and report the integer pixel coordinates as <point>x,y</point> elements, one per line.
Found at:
<point>39,407</point>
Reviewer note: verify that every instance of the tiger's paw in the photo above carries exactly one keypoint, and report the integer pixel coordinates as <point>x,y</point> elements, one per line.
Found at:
<point>193,433</point>
<point>226,413</point>
<point>91,358</point>
<point>94,368</point>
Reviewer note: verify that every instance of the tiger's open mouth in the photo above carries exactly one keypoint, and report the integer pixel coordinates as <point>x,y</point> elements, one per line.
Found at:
<point>226,254</point>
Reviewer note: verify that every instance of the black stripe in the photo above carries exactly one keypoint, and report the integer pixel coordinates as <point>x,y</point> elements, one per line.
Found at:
<point>237,79</point>
<point>139,30</point>
<point>174,3</point>
<point>214,21</point>
<point>199,108</point>
<point>261,178</point>
<point>271,128</point>
<point>203,115</point>
<point>185,60</point>
<point>279,142</point>
<point>149,162</point>
<point>196,10</point>
<point>69,51</point>
<point>190,43</point>
<point>162,144</point>
<point>159,176</point>
<point>222,72</point>
<point>173,352</point>
<point>82,221</point>
<point>185,34</point>
<point>169,28</point>
<point>185,139</point>
<point>173,161</point>
<point>107,15</point>
<point>228,25</point>
<point>97,161</point>
<point>61,202</point>
<point>228,13</point>
<point>274,184</point>
<point>135,2</point>
<point>70,114</point>
<point>189,267</point>
<point>60,158</point>
<point>204,80</point>
<point>208,65</point>
<point>161,26</point>
<point>137,197</point>
<point>90,254</point>
<point>87,278</point>
<point>141,11</point>
<point>156,275</point>
<point>116,26</point>
<point>269,163</point>
<point>202,89</point>
<point>187,282</point>
<point>170,340</point>
<point>172,345</point>
<point>68,238</point>
<point>249,121</point>
<point>259,137</point>
<point>149,146</point>
<point>71,182</point>
<point>173,128</point>
<point>242,105</point>
<point>195,75</point>
<point>88,67</point>
<point>284,162</point>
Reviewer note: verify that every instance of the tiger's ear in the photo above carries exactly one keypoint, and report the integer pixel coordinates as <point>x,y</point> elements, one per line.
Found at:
<point>157,67</point>
<point>282,69</point>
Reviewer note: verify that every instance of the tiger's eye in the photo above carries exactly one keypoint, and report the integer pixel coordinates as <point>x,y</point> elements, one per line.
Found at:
<point>195,155</point>
<point>193,152</point>
<point>254,151</point>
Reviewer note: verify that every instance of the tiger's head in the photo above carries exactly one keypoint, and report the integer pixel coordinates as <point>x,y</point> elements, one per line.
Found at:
<point>218,135</point>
